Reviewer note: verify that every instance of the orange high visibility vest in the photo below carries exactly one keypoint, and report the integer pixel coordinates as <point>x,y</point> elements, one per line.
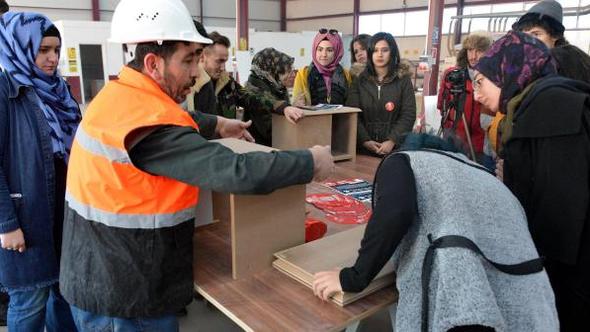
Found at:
<point>103,185</point>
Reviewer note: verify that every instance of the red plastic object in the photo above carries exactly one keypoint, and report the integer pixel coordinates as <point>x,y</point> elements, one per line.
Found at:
<point>340,209</point>
<point>314,229</point>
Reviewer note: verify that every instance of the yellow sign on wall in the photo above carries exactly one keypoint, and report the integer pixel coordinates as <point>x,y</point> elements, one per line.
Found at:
<point>71,53</point>
<point>72,60</point>
<point>73,66</point>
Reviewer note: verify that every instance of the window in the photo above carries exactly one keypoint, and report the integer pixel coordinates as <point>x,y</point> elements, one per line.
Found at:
<point>369,24</point>
<point>393,23</point>
<point>414,23</point>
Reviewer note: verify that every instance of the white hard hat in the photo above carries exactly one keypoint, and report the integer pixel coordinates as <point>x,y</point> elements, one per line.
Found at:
<point>140,21</point>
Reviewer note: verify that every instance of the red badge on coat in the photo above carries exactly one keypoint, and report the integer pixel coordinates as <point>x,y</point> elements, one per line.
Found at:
<point>390,106</point>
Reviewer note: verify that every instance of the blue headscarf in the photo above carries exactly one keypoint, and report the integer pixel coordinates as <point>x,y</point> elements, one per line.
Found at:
<point>20,38</point>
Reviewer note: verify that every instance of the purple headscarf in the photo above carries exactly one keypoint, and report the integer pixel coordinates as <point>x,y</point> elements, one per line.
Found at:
<point>515,61</point>
<point>338,47</point>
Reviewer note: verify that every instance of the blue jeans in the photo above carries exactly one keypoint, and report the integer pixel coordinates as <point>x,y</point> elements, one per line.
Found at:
<point>89,322</point>
<point>39,309</point>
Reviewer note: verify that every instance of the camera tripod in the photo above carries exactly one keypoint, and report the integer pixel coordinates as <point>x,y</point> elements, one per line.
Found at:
<point>457,103</point>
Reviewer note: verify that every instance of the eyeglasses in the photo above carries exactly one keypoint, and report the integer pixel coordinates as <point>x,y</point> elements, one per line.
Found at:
<point>477,84</point>
<point>324,31</point>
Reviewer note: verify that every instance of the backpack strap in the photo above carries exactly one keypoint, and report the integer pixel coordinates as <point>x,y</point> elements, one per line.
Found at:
<point>456,241</point>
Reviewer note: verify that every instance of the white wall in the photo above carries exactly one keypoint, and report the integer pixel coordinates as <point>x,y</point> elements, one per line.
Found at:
<point>75,33</point>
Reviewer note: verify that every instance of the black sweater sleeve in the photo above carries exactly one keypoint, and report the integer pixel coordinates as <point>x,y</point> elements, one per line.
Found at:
<point>395,209</point>
<point>183,154</point>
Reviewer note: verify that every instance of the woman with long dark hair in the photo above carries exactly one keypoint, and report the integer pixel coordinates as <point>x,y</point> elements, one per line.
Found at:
<point>385,94</point>
<point>358,53</point>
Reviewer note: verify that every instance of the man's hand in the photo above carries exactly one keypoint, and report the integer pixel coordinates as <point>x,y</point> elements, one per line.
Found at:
<point>372,146</point>
<point>323,162</point>
<point>14,240</point>
<point>293,114</point>
<point>326,284</point>
<point>233,128</point>
<point>386,147</point>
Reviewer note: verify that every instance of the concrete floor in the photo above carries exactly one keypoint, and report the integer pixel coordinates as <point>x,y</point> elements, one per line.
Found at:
<point>203,317</point>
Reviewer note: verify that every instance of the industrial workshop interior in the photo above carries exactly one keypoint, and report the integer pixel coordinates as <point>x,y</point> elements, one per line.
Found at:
<point>294,165</point>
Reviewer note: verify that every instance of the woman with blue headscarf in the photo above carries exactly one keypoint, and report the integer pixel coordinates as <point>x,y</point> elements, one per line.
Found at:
<point>38,120</point>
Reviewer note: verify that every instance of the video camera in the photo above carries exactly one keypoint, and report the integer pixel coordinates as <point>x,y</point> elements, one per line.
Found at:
<point>457,79</point>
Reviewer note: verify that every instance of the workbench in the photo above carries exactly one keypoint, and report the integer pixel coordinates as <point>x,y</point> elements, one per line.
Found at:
<point>270,300</point>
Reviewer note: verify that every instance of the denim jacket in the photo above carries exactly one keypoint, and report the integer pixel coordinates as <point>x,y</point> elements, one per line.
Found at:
<point>27,188</point>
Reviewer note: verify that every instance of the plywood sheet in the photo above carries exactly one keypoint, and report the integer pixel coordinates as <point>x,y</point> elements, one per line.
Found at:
<point>263,225</point>
<point>330,127</point>
<point>341,110</point>
<point>308,132</point>
<point>204,209</point>
<point>241,146</point>
<point>336,251</point>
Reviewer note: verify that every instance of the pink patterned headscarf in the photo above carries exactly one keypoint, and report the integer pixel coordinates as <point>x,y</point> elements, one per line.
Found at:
<point>326,71</point>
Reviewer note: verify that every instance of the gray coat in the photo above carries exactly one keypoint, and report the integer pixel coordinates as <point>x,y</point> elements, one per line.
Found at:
<point>458,199</point>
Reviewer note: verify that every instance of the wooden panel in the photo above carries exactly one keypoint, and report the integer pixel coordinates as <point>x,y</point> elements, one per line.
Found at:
<point>263,225</point>
<point>336,251</point>
<point>328,127</point>
<point>344,135</point>
<point>256,232</point>
<point>221,207</point>
<point>204,210</point>
<point>308,132</point>
<point>341,110</point>
<point>241,146</point>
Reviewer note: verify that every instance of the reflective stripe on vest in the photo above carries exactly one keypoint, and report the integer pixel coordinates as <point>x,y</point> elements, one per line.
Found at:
<point>94,146</point>
<point>131,221</point>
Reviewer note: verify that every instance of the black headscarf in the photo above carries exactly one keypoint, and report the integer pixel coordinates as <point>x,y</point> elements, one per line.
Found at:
<point>271,64</point>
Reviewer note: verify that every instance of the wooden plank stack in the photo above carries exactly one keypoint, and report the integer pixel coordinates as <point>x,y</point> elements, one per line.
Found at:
<point>336,251</point>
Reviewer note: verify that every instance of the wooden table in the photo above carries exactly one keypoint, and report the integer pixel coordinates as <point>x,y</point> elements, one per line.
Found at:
<point>336,127</point>
<point>270,300</point>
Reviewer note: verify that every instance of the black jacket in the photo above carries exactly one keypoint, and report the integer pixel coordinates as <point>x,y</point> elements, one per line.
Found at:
<point>375,122</point>
<point>261,128</point>
<point>547,166</point>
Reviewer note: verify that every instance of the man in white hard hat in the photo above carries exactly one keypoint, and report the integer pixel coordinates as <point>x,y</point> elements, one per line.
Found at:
<point>136,165</point>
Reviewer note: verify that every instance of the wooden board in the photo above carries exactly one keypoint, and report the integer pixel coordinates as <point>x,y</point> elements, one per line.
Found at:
<point>261,224</point>
<point>336,251</point>
<point>204,209</point>
<point>331,127</point>
<point>344,136</point>
<point>241,146</point>
<point>341,110</point>
<point>308,132</point>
